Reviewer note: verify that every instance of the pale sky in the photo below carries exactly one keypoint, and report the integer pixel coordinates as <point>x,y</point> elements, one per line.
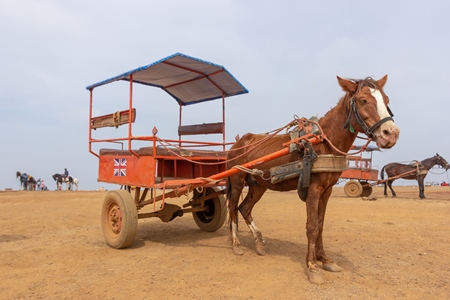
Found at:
<point>286,53</point>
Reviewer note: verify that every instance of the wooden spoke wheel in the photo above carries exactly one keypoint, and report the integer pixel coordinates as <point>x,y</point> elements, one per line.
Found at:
<point>215,215</point>
<point>367,189</point>
<point>353,188</point>
<point>119,219</point>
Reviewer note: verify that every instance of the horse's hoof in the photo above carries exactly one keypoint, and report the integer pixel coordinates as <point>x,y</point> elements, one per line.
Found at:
<point>237,250</point>
<point>314,276</point>
<point>261,248</point>
<point>332,267</point>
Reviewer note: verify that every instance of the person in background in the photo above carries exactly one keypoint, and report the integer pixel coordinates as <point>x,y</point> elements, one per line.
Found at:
<point>25,181</point>
<point>38,184</point>
<point>66,173</point>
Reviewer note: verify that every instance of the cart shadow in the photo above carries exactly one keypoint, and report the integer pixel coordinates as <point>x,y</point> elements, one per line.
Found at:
<point>174,235</point>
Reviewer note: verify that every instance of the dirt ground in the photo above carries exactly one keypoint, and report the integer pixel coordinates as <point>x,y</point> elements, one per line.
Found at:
<point>52,247</point>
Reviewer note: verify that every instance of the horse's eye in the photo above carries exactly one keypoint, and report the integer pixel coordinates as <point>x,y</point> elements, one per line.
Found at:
<point>363,101</point>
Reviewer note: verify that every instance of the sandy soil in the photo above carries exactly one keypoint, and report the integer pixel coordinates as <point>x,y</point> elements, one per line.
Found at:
<point>52,247</point>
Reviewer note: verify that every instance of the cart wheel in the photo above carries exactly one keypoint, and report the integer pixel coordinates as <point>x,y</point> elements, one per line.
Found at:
<point>353,188</point>
<point>367,189</point>
<point>214,217</point>
<point>119,219</point>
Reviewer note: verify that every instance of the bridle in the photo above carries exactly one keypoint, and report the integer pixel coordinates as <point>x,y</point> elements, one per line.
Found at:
<point>440,158</point>
<point>368,130</point>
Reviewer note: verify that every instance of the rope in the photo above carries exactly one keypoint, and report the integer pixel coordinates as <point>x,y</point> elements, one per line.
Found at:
<point>161,142</point>
<point>363,148</point>
<point>209,179</point>
<point>249,147</point>
<point>250,171</point>
<point>443,171</point>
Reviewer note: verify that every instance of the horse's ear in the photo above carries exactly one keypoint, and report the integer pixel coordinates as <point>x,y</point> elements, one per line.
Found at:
<point>382,81</point>
<point>347,85</point>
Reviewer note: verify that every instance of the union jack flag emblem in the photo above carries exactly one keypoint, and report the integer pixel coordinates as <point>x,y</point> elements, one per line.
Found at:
<point>120,167</point>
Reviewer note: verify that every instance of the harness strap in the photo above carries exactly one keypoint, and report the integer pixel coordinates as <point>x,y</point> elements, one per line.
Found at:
<point>375,126</point>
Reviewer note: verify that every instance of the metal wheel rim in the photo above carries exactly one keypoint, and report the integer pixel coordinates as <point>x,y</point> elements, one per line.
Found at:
<point>113,219</point>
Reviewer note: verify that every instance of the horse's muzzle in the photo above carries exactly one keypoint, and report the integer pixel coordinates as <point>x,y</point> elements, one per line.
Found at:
<point>386,135</point>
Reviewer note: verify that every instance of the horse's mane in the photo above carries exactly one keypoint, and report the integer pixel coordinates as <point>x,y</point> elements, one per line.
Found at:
<point>368,81</point>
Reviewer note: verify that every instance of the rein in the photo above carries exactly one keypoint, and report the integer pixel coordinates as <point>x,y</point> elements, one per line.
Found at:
<point>368,130</point>
<point>324,137</point>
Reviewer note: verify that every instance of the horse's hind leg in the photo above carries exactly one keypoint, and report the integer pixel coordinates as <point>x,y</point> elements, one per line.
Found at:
<point>420,180</point>
<point>390,187</point>
<point>254,194</point>
<point>235,187</point>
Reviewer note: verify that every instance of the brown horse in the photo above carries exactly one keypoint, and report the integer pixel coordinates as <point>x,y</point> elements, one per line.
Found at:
<point>417,171</point>
<point>363,109</point>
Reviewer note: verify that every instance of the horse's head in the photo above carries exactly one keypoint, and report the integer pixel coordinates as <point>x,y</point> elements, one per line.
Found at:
<point>441,161</point>
<point>369,112</point>
<point>18,174</point>
<point>55,176</point>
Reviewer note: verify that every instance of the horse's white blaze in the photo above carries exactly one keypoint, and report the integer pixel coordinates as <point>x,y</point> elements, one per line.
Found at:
<point>381,107</point>
<point>387,133</point>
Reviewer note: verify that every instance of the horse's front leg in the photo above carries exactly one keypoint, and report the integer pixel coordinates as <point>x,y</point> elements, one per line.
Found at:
<point>327,263</point>
<point>253,196</point>
<point>312,233</point>
<point>420,180</point>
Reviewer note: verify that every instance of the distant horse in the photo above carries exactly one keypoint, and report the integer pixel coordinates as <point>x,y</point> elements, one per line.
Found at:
<point>417,171</point>
<point>27,182</point>
<point>363,109</point>
<point>69,181</point>
<point>75,182</point>
<point>23,180</point>
<point>31,183</point>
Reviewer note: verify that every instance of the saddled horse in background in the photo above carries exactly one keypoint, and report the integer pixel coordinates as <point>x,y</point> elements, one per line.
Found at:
<point>69,181</point>
<point>362,109</point>
<point>417,171</point>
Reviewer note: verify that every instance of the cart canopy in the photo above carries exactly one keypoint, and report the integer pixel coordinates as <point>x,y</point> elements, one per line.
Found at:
<point>187,79</point>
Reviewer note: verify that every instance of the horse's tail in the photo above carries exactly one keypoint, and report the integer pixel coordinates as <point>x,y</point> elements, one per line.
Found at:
<point>382,173</point>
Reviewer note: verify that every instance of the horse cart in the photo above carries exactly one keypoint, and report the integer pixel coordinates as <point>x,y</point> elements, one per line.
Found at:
<point>160,169</point>
<point>163,168</point>
<point>362,177</point>
<point>309,157</point>
<point>360,174</point>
